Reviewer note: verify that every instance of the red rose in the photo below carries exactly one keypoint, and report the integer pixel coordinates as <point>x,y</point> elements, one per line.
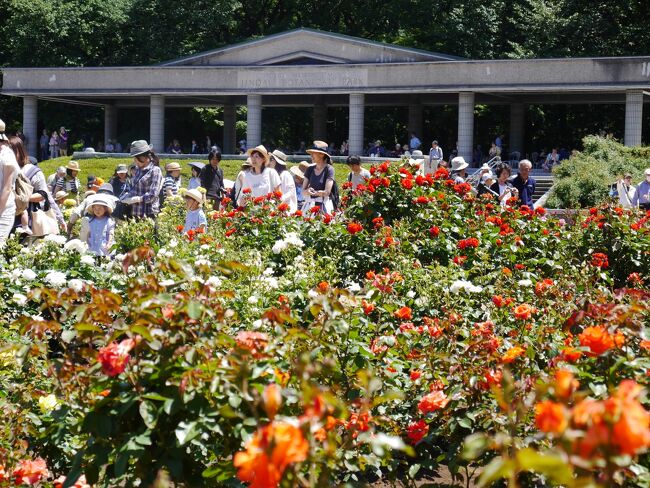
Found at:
<point>115,357</point>
<point>434,231</point>
<point>354,227</point>
<point>417,431</point>
<point>407,183</point>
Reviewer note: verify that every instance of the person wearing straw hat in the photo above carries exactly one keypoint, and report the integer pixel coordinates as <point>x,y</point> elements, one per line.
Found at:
<point>319,179</point>
<point>278,161</point>
<point>458,169</point>
<point>9,170</point>
<point>98,227</point>
<point>195,180</point>
<point>212,179</point>
<point>298,177</point>
<point>261,179</point>
<point>60,197</point>
<point>105,191</point>
<point>144,194</point>
<point>120,180</point>
<point>195,217</point>
<point>69,182</point>
<point>172,181</point>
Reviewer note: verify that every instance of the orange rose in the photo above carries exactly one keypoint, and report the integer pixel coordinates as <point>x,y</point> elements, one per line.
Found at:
<point>599,340</point>
<point>551,417</point>
<point>404,313</point>
<point>29,472</point>
<point>255,342</point>
<point>268,454</point>
<point>433,401</point>
<point>565,384</point>
<point>523,311</point>
<point>272,396</point>
<point>570,354</point>
<point>512,354</point>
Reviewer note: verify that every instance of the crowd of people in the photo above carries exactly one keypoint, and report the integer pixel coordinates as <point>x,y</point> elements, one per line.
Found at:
<point>139,191</point>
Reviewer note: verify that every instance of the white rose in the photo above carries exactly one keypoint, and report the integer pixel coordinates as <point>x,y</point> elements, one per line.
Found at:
<point>56,278</point>
<point>56,238</point>
<point>76,285</point>
<point>252,299</point>
<point>76,245</point>
<point>523,283</point>
<point>88,260</point>
<point>214,281</point>
<point>20,299</point>
<point>29,275</point>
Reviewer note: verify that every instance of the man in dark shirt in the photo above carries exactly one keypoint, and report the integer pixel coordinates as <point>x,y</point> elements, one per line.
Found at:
<point>524,183</point>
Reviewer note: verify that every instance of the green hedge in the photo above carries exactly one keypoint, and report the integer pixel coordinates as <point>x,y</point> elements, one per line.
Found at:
<point>585,179</point>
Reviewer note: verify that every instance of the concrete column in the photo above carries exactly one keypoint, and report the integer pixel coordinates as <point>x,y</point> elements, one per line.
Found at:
<point>320,122</point>
<point>30,129</point>
<point>110,123</point>
<point>355,130</point>
<point>415,122</point>
<point>517,127</point>
<point>254,121</point>
<point>229,129</point>
<point>157,123</point>
<point>466,125</point>
<point>633,117</point>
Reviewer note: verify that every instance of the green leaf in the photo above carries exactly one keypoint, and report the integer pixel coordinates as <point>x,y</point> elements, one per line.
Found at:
<point>474,446</point>
<point>143,331</point>
<point>194,310</point>
<point>149,414</point>
<point>186,431</point>
<point>465,422</point>
<point>548,464</point>
<point>497,469</point>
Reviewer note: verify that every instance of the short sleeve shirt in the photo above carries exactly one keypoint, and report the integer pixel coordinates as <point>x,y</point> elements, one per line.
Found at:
<point>263,183</point>
<point>318,181</point>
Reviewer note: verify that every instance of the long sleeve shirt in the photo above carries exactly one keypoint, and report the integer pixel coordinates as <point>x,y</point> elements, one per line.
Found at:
<point>146,184</point>
<point>642,195</point>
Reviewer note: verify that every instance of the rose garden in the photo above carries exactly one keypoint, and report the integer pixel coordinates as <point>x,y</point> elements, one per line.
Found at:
<point>423,328</point>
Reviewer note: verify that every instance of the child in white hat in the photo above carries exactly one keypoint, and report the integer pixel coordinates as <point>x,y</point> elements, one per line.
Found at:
<point>195,216</point>
<point>98,227</point>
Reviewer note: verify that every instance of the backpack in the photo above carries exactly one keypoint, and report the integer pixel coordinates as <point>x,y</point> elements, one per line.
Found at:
<point>334,196</point>
<point>23,191</point>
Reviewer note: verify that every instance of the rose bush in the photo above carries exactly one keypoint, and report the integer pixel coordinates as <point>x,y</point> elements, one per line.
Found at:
<point>421,327</point>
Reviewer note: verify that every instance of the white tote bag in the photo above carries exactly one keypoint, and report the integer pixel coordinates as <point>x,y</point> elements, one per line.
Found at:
<point>44,223</point>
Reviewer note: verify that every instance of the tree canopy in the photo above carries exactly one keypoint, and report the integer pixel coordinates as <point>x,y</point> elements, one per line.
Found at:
<point>126,32</point>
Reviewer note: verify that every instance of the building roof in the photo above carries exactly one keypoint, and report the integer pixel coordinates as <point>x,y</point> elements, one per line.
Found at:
<point>311,47</point>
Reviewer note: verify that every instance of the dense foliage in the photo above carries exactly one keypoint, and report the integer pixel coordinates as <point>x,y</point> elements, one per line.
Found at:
<point>141,32</point>
<point>424,327</point>
<point>586,180</point>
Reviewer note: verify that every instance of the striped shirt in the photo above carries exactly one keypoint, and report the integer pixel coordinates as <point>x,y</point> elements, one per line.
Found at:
<point>69,185</point>
<point>171,183</point>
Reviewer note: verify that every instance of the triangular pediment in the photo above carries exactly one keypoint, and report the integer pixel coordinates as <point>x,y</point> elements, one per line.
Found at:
<point>307,46</point>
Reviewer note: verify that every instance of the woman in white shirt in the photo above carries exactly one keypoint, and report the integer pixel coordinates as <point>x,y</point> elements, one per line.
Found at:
<point>502,186</point>
<point>260,180</point>
<point>8,173</point>
<point>278,161</point>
